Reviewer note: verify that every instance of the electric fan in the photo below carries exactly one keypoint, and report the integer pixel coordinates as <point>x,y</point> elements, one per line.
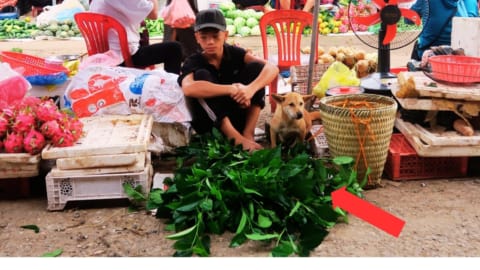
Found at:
<point>387,13</point>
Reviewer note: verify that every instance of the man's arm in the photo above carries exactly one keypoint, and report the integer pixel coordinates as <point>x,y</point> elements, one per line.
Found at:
<point>205,89</point>
<point>268,73</point>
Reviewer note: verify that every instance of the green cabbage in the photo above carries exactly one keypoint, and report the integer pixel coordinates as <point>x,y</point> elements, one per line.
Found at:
<point>232,30</point>
<point>251,22</point>
<point>244,31</point>
<point>255,30</point>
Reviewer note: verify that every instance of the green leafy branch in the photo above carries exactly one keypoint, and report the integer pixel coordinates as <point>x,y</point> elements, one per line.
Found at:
<point>281,198</point>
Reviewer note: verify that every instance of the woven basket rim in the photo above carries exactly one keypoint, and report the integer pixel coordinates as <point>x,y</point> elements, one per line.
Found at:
<point>387,101</point>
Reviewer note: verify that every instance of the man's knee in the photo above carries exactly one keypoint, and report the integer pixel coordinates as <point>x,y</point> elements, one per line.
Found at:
<point>251,72</point>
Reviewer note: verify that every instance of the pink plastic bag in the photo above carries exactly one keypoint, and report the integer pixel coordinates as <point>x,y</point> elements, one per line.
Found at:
<point>13,86</point>
<point>178,14</point>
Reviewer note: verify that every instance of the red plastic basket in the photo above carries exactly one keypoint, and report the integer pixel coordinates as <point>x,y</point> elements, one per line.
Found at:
<point>29,65</point>
<point>403,163</point>
<point>455,68</point>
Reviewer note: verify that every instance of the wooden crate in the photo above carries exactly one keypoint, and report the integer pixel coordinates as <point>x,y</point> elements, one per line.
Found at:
<point>13,165</point>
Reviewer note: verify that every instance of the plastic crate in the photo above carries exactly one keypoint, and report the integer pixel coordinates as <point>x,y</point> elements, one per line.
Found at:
<point>61,190</point>
<point>299,75</point>
<point>403,163</point>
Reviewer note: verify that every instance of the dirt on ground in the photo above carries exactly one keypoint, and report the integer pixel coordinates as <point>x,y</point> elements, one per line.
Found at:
<point>441,215</point>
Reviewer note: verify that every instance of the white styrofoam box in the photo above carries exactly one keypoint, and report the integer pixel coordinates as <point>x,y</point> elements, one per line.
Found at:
<point>61,190</point>
<point>107,135</point>
<point>466,35</point>
<point>99,161</point>
<point>143,160</point>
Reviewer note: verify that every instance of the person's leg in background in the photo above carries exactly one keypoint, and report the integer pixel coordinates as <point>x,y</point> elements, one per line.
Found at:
<point>308,5</point>
<point>168,53</point>
<point>186,37</point>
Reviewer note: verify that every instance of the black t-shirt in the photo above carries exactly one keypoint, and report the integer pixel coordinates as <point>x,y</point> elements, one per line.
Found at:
<point>233,62</point>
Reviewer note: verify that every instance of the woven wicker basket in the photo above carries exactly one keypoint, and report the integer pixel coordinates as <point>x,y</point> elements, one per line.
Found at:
<point>299,75</point>
<point>350,126</point>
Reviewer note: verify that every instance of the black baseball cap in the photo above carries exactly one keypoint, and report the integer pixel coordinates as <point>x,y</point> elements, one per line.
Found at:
<point>210,18</point>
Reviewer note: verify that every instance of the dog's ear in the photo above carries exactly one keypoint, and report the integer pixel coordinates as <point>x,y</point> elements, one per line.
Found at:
<point>278,98</point>
<point>308,98</point>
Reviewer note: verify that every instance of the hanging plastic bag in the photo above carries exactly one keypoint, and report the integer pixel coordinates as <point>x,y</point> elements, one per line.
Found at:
<point>337,74</point>
<point>178,14</point>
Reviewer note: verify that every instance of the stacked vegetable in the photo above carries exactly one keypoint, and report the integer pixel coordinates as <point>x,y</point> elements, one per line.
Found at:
<point>241,22</point>
<point>15,28</point>
<point>59,29</point>
<point>155,27</point>
<point>28,125</point>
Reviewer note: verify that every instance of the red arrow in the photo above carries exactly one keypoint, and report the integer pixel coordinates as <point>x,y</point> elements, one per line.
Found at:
<point>367,211</point>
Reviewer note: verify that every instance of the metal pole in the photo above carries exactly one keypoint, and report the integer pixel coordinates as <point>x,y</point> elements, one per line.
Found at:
<point>313,46</point>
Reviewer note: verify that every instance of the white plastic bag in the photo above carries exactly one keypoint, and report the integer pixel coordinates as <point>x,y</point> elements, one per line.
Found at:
<point>99,90</point>
<point>61,12</point>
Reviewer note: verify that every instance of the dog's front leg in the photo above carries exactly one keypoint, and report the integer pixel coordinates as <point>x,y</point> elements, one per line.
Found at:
<point>273,138</point>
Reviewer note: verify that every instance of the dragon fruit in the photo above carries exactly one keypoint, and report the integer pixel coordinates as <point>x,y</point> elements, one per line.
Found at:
<point>23,122</point>
<point>3,125</point>
<point>50,128</point>
<point>63,138</point>
<point>33,142</point>
<point>47,110</point>
<point>30,102</point>
<point>74,125</point>
<point>13,143</point>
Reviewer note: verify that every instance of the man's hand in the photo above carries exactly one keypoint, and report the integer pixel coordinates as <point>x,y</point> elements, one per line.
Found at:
<point>242,95</point>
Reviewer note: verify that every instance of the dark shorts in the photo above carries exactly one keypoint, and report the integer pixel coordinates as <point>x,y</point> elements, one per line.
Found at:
<point>224,106</point>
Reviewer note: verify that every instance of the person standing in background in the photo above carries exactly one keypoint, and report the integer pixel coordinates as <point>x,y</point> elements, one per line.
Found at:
<point>185,36</point>
<point>305,5</point>
<point>437,28</point>
<point>131,14</point>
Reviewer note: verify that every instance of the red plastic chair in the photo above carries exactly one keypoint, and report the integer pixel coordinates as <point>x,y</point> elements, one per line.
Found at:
<point>95,28</point>
<point>288,26</point>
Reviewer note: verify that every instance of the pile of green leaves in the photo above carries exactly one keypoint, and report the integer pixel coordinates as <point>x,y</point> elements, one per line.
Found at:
<point>280,197</point>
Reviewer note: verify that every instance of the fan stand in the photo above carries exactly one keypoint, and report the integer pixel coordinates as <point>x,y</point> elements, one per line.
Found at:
<point>375,82</point>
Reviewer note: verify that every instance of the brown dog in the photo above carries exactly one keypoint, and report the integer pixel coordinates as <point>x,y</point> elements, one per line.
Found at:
<point>291,119</point>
